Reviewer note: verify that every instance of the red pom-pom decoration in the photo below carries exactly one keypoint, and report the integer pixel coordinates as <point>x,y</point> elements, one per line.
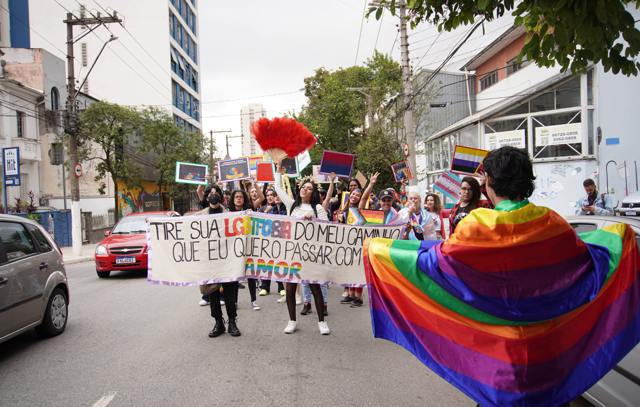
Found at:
<point>282,137</point>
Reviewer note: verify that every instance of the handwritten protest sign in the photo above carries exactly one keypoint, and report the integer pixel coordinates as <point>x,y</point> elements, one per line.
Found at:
<point>232,246</point>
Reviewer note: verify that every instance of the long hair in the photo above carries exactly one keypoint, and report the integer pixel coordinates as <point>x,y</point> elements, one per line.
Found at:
<point>246,205</point>
<point>315,198</point>
<point>475,191</point>
<point>356,181</point>
<point>437,205</point>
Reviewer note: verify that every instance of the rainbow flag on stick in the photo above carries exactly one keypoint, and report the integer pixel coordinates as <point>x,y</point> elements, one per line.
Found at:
<point>373,217</point>
<point>466,160</point>
<point>503,324</point>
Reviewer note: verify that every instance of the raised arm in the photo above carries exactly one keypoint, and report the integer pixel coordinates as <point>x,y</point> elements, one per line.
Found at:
<point>282,194</point>
<point>327,199</point>
<point>368,190</point>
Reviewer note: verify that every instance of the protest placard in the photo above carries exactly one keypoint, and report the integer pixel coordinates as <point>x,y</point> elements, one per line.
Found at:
<point>265,172</point>
<point>237,245</point>
<point>401,171</point>
<point>467,160</point>
<point>449,184</point>
<point>304,159</point>
<point>191,173</point>
<point>253,162</point>
<point>290,166</point>
<point>340,163</point>
<point>233,170</point>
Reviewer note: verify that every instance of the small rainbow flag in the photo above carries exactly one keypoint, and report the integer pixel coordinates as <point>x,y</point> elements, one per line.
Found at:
<point>373,217</point>
<point>505,325</point>
<point>466,160</point>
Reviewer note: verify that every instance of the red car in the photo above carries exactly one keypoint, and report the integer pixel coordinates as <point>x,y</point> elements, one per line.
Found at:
<point>125,246</point>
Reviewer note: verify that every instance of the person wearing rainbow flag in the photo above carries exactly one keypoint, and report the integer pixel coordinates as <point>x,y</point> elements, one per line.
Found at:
<point>514,308</point>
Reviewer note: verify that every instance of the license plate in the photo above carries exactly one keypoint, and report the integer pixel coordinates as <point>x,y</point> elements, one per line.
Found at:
<point>630,213</point>
<point>125,260</point>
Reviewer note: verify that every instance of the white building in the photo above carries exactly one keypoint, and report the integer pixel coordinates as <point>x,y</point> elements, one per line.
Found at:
<point>573,126</point>
<point>153,61</point>
<point>20,127</point>
<point>249,114</point>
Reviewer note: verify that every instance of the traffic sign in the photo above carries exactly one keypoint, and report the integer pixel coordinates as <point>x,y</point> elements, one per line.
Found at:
<point>11,165</point>
<point>77,170</point>
<point>405,149</point>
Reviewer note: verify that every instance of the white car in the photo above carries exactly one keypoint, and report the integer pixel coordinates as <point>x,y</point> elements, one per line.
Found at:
<point>630,205</point>
<point>621,386</point>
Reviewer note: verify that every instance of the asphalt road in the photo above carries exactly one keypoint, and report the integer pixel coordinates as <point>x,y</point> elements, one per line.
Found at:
<point>130,343</point>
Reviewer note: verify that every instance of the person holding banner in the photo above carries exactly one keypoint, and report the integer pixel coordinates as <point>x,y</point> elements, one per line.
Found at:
<point>240,202</point>
<point>306,206</point>
<point>229,290</point>
<point>433,205</point>
<point>386,199</point>
<point>273,206</point>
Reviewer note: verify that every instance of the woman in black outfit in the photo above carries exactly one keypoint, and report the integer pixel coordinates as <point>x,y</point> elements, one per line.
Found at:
<point>229,290</point>
<point>240,202</point>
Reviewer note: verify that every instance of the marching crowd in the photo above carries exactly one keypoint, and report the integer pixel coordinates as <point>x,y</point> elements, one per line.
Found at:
<point>423,219</point>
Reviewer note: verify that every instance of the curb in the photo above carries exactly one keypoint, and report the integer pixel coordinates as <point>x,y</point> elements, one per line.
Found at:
<point>76,260</point>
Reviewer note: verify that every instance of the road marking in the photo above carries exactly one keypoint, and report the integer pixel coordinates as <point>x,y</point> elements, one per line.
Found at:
<point>105,400</point>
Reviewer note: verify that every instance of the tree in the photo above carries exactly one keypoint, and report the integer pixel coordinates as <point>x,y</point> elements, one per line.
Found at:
<point>109,126</point>
<point>168,143</point>
<point>376,153</point>
<point>569,33</point>
<point>336,115</point>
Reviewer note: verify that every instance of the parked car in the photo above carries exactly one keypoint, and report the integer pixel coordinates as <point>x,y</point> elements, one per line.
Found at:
<point>630,205</point>
<point>33,282</point>
<point>621,386</point>
<point>125,246</point>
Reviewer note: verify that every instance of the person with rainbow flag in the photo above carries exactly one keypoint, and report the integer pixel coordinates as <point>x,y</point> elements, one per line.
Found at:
<point>514,308</point>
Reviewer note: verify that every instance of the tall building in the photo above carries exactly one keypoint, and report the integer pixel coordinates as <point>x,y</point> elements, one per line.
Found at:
<point>14,27</point>
<point>153,61</point>
<point>249,114</point>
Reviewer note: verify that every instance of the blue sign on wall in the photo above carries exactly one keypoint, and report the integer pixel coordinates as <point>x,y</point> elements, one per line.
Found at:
<point>11,166</point>
<point>612,141</point>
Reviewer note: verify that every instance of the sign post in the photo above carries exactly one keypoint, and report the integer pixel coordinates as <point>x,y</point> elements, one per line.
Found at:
<point>11,171</point>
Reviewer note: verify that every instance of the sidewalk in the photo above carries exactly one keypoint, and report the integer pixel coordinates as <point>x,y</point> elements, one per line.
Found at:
<point>87,254</point>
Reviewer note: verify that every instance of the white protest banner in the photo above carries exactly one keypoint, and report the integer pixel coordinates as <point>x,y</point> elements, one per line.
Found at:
<point>559,134</point>
<point>512,138</point>
<point>237,245</point>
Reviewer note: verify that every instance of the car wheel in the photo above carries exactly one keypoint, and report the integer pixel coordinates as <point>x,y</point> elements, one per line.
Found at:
<point>103,274</point>
<point>55,317</point>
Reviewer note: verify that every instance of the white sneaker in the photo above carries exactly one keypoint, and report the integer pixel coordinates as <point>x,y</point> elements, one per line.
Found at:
<point>291,327</point>
<point>221,302</point>
<point>324,328</point>
<point>282,299</point>
<point>255,306</point>
<point>203,303</point>
<point>298,300</point>
<point>282,293</point>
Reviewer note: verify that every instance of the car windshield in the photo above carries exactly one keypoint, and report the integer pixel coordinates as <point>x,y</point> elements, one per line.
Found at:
<point>133,224</point>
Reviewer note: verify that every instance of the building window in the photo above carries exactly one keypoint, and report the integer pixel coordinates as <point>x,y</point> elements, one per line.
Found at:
<point>55,99</point>
<point>20,123</point>
<point>514,66</point>
<point>488,80</point>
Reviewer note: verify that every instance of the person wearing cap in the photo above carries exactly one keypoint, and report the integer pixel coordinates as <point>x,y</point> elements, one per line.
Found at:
<point>386,198</point>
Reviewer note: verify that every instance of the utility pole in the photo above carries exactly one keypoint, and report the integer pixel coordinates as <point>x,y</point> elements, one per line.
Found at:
<point>409,127</point>
<point>71,125</point>
<point>370,108</point>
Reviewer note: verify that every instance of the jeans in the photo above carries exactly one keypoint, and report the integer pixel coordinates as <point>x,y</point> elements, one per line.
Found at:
<point>230,295</point>
<point>306,292</point>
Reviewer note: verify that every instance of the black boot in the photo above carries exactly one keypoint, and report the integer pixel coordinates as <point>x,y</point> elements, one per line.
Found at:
<point>306,309</point>
<point>233,328</point>
<point>218,329</point>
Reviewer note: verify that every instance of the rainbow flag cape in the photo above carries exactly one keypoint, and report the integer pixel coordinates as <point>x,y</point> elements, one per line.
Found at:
<point>373,217</point>
<point>513,309</point>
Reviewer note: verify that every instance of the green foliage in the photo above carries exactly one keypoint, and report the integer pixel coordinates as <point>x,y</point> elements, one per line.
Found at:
<point>109,126</point>
<point>570,33</point>
<point>168,143</point>
<point>376,153</point>
<point>336,115</point>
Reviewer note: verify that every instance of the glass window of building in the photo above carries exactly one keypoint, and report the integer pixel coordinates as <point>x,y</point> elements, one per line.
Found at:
<point>488,80</point>
<point>568,94</point>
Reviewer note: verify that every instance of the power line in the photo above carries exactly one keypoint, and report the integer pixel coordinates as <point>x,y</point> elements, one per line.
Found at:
<point>252,97</point>
<point>429,49</point>
<point>375,45</point>
<point>364,10</point>
<point>116,54</point>
<point>26,24</point>
<point>394,42</point>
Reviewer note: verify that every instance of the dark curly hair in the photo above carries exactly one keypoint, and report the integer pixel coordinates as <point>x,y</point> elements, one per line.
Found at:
<point>245,205</point>
<point>511,173</point>
<point>476,191</point>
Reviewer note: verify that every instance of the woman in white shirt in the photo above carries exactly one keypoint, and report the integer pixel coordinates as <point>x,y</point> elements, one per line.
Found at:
<point>307,205</point>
